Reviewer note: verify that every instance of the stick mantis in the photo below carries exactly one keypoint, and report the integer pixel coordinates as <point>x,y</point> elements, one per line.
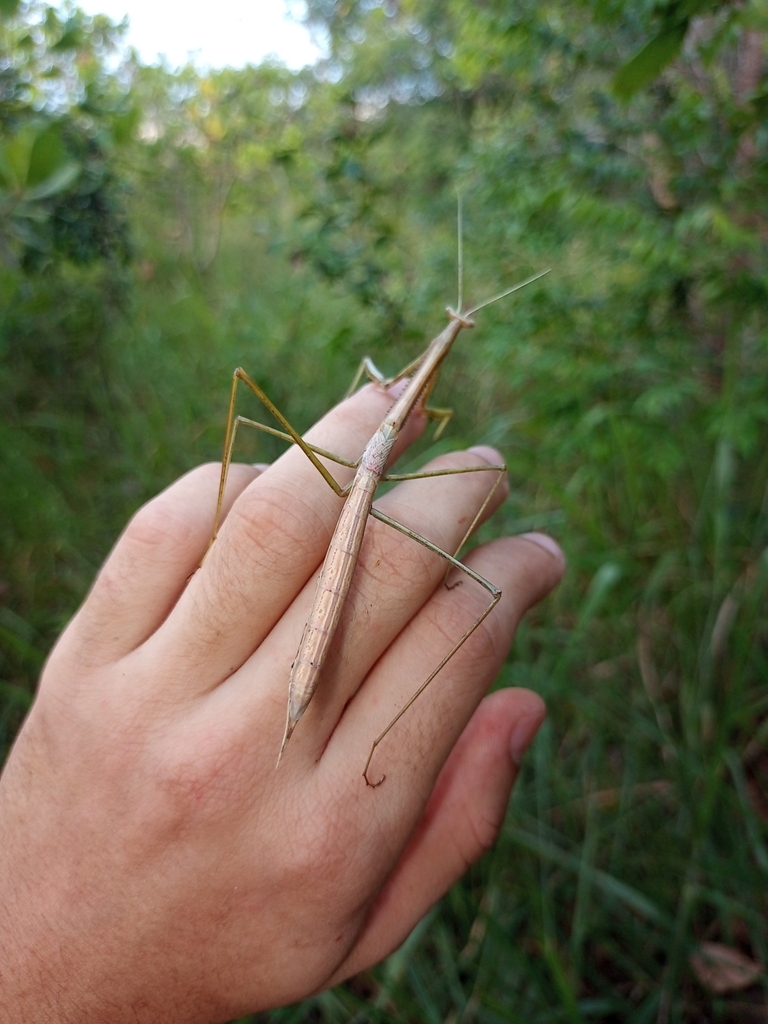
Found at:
<point>335,578</point>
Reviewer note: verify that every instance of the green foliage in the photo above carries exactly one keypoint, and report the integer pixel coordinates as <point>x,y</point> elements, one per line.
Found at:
<point>63,247</point>
<point>61,116</point>
<point>294,222</point>
<point>646,65</point>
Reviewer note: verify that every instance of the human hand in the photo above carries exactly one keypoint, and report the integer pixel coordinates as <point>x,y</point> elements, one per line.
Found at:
<point>154,865</point>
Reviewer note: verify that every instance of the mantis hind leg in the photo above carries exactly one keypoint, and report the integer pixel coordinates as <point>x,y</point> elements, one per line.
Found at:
<point>453,562</point>
<point>501,470</point>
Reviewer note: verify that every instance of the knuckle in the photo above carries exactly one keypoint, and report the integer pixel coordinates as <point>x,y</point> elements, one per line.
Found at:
<point>201,783</point>
<point>270,527</point>
<point>441,508</point>
<point>159,524</point>
<point>479,834</point>
<point>325,851</point>
<point>402,560</point>
<point>483,832</point>
<point>451,617</point>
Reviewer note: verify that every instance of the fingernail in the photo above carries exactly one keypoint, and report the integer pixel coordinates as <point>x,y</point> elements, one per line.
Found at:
<point>545,542</point>
<point>490,455</point>
<point>524,734</point>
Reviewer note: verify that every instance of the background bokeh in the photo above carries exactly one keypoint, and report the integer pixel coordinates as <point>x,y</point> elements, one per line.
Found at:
<point>159,228</point>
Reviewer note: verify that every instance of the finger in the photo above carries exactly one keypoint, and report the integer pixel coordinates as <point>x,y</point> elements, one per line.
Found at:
<point>394,576</point>
<point>413,752</point>
<point>461,821</point>
<point>270,544</point>
<point>148,567</point>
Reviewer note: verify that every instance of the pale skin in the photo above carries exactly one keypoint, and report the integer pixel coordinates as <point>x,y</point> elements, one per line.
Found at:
<point>154,865</point>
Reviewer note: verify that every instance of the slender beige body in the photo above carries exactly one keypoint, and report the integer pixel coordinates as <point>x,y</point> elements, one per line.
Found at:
<point>338,568</point>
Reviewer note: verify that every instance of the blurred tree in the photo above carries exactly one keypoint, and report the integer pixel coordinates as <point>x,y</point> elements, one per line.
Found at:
<point>61,115</point>
<point>659,190</point>
<point>63,249</point>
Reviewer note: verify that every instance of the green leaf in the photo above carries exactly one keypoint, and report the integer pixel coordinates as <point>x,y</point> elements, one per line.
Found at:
<point>35,164</point>
<point>60,180</point>
<point>602,583</point>
<point>7,176</point>
<point>15,155</point>
<point>47,154</point>
<point>650,61</point>
<point>35,158</point>
<point>612,887</point>
<point>8,8</point>
<point>71,40</point>
<point>124,125</point>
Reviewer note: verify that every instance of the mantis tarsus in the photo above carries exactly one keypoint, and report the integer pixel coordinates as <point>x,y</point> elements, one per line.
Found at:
<point>341,559</point>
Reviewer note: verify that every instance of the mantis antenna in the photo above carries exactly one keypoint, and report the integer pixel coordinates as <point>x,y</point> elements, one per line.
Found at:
<point>461,250</point>
<point>501,295</point>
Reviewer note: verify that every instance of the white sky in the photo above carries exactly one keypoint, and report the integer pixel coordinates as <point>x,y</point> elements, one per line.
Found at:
<point>226,32</point>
